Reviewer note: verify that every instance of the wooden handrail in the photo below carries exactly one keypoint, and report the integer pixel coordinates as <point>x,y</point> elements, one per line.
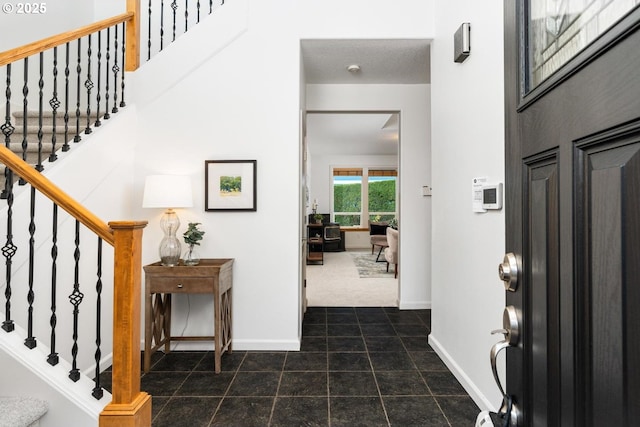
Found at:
<point>55,194</point>
<point>16,54</point>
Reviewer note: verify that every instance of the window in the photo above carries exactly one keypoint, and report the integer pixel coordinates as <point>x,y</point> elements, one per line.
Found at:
<point>347,196</point>
<point>382,194</point>
<point>354,207</point>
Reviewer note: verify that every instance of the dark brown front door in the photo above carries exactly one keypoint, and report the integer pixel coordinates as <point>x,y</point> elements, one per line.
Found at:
<point>572,198</point>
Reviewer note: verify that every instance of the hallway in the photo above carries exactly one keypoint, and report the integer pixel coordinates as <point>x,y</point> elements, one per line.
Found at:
<point>367,366</point>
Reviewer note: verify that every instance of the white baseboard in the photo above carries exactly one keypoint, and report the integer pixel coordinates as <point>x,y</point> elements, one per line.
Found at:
<point>240,345</point>
<point>474,392</point>
<point>266,345</point>
<point>414,305</point>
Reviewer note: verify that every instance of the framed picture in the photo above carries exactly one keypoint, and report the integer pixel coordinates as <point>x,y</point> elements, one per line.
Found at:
<point>230,185</point>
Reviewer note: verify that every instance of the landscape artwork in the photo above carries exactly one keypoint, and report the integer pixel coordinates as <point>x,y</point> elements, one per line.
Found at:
<point>230,185</point>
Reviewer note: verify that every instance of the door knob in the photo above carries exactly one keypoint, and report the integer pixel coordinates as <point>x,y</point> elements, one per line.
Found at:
<point>508,271</point>
<point>511,331</point>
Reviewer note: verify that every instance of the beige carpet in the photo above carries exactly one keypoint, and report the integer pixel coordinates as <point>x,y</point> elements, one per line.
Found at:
<point>338,284</point>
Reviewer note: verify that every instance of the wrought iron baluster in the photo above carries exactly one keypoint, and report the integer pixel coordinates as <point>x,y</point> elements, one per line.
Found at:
<point>25,103</point>
<point>124,48</point>
<point>53,320</point>
<point>149,38</point>
<point>174,6</point>
<point>97,390</point>
<point>115,70</point>
<point>106,77</point>
<point>210,7</point>
<point>78,138</point>
<point>54,103</point>
<point>186,15</point>
<point>98,123</point>
<point>39,166</point>
<point>198,9</point>
<point>8,251</point>
<point>65,146</point>
<point>7,130</point>
<point>161,24</point>
<point>88,85</point>
<point>76,298</point>
<point>30,341</point>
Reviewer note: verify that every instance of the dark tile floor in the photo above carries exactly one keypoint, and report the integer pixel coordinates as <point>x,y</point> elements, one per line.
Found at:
<point>357,367</point>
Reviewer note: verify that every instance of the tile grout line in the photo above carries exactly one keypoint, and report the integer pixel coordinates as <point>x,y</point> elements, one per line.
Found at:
<point>373,373</point>
<point>326,341</point>
<point>226,391</point>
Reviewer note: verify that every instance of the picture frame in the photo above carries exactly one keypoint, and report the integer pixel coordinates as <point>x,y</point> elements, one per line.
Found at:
<point>230,185</point>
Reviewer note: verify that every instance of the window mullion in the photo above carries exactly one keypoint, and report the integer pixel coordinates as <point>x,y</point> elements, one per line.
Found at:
<point>364,216</point>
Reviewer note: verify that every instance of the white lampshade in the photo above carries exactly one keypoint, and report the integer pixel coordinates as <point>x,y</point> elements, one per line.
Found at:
<point>167,191</point>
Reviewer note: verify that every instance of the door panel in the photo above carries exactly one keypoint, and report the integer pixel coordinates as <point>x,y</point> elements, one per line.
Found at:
<point>572,200</point>
<point>611,184</point>
<point>542,315</point>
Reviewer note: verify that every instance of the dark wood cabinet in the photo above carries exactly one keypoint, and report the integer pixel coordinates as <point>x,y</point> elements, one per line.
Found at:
<point>331,235</point>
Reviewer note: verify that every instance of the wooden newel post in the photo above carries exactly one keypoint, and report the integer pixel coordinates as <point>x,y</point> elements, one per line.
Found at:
<point>132,39</point>
<point>129,406</point>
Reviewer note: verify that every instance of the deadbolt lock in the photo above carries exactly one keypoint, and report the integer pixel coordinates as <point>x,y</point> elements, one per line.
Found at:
<point>508,271</point>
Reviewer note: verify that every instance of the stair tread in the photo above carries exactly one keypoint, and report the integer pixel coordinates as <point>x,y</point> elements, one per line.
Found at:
<point>21,411</point>
<point>49,113</point>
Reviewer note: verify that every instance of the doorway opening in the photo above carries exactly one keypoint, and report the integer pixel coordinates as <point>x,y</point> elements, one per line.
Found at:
<point>352,170</point>
<point>392,76</point>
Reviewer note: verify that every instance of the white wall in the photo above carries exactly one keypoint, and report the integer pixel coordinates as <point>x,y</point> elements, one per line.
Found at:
<point>243,103</point>
<point>413,103</point>
<point>232,107</point>
<point>58,16</point>
<point>468,141</point>
<point>107,8</point>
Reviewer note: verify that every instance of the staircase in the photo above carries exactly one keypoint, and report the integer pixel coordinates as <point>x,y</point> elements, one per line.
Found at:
<point>68,132</point>
<point>97,177</point>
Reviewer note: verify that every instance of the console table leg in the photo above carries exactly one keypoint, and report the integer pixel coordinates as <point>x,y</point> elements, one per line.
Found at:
<point>166,327</point>
<point>217,333</point>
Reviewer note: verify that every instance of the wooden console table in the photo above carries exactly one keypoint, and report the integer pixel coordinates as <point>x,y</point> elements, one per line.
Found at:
<point>214,276</point>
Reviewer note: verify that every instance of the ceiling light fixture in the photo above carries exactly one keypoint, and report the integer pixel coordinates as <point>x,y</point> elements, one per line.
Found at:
<point>355,68</point>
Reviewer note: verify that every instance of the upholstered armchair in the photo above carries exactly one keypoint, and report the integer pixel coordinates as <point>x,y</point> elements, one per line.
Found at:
<point>378,236</point>
<point>391,251</point>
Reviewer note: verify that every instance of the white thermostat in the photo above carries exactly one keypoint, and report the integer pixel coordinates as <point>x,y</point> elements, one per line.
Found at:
<point>492,196</point>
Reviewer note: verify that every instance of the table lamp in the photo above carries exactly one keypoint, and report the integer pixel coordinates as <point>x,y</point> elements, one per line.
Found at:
<point>168,192</point>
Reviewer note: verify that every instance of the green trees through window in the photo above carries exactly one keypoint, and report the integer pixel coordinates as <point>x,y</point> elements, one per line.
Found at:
<point>348,199</point>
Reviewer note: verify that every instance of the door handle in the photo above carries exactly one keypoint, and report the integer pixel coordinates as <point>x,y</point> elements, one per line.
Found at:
<point>511,331</point>
<point>509,270</point>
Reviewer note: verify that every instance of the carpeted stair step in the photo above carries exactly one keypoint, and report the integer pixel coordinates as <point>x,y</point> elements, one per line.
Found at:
<point>21,411</point>
<point>33,128</point>
<point>33,118</point>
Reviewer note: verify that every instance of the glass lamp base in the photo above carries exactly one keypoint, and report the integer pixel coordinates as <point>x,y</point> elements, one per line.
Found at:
<point>169,251</point>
